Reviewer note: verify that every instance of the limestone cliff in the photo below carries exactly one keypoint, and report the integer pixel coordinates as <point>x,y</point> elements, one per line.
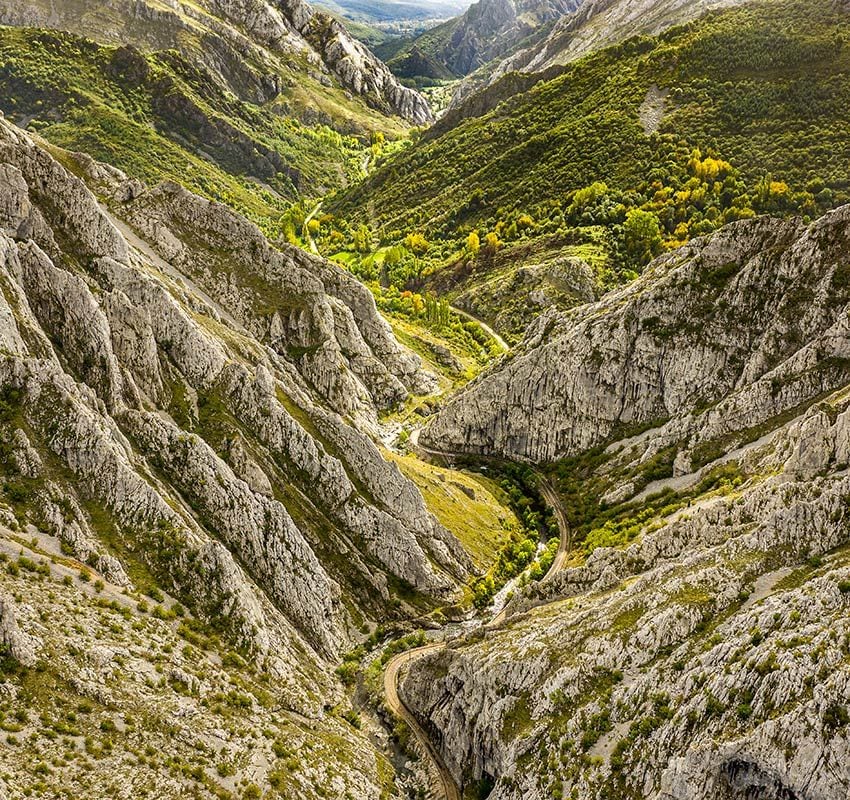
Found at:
<point>706,660</point>
<point>695,646</point>
<point>188,382</point>
<point>714,339</point>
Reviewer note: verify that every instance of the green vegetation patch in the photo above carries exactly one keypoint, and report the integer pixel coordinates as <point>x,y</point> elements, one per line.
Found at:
<point>157,117</point>
<point>756,108</point>
<point>472,508</point>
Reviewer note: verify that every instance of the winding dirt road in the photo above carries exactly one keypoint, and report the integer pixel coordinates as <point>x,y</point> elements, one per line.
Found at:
<point>394,667</point>
<point>391,680</point>
<point>305,228</point>
<point>565,545</point>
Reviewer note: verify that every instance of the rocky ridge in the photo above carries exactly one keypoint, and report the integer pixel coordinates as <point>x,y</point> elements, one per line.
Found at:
<point>583,28</point>
<point>250,45</point>
<point>490,28</point>
<point>706,660</point>
<point>716,338</point>
<point>209,447</point>
<point>706,656</point>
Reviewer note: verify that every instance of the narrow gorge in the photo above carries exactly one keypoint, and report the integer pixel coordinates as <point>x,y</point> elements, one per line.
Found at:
<point>424,400</point>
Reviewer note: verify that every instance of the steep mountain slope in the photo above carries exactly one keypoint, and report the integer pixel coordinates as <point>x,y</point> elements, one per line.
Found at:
<point>254,48</point>
<point>204,436</point>
<point>610,160</point>
<point>486,30</point>
<point>107,694</point>
<point>188,412</point>
<point>247,104</point>
<point>588,26</point>
<point>586,124</point>
<point>718,336</point>
<point>108,101</point>
<point>169,115</point>
<point>697,649</point>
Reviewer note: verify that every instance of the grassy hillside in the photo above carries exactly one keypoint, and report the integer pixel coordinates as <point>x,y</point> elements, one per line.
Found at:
<point>156,116</point>
<point>656,140</point>
<point>472,507</point>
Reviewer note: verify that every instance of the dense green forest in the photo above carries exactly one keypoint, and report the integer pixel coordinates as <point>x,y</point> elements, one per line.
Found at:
<point>636,148</point>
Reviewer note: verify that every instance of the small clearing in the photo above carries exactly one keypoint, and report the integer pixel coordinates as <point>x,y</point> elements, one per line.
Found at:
<point>651,111</point>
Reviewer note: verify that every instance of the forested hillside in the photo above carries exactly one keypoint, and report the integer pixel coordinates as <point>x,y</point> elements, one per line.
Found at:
<point>157,116</point>
<point>629,151</point>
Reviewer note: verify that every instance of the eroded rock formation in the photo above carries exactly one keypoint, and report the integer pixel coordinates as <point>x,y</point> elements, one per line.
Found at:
<point>717,337</point>
<point>188,380</point>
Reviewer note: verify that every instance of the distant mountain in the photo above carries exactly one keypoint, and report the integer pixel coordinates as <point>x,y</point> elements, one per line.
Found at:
<point>389,11</point>
<point>495,37</point>
<point>489,29</point>
<point>587,26</point>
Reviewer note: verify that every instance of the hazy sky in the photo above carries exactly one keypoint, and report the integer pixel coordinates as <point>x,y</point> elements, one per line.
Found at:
<point>459,4</point>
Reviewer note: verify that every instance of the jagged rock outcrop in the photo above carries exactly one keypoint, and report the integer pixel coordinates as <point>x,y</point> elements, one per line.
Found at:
<point>18,645</point>
<point>248,44</point>
<point>705,660</point>
<point>172,381</point>
<point>486,31</point>
<point>323,319</point>
<point>490,28</point>
<point>713,340</point>
<point>358,69</point>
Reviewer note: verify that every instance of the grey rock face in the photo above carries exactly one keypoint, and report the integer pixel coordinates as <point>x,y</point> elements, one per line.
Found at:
<point>298,304</point>
<point>26,458</point>
<point>714,339</point>
<point>258,530</point>
<point>60,515</point>
<point>484,34</point>
<point>490,28</point>
<point>357,69</point>
<point>20,646</point>
<point>582,27</point>
<point>597,24</point>
<point>185,382</point>
<point>16,211</point>
<point>705,660</point>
